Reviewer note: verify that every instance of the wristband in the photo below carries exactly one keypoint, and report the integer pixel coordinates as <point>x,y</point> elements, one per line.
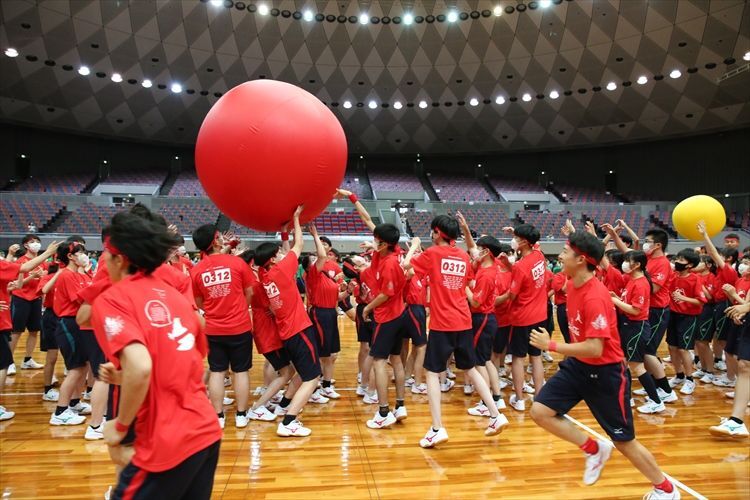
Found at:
<point>353,198</point>
<point>552,347</point>
<point>284,236</point>
<point>120,427</point>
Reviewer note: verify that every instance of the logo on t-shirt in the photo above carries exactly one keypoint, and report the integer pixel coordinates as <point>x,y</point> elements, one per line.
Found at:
<point>158,313</point>
<point>680,291</point>
<point>273,294</point>
<point>185,340</point>
<point>113,326</point>
<point>600,323</point>
<point>453,272</point>
<point>537,274</point>
<point>217,281</point>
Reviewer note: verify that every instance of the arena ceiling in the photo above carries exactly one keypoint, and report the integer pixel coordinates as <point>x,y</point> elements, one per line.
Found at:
<point>467,79</point>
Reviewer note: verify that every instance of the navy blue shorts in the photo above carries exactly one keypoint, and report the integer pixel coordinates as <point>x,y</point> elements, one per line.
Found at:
<point>682,330</point>
<point>302,350</point>
<point>230,350</point>
<point>70,341</point>
<point>278,358</point>
<point>325,320</point>
<point>658,318</point>
<point>706,323</point>
<point>345,304</point>
<point>604,388</point>
<point>519,340</point>
<point>562,321</point>
<point>734,335</point>
<point>364,328</point>
<point>415,324</point>
<point>113,409</point>
<point>387,338</point>
<point>484,327</point>
<point>500,342</point>
<point>6,357</point>
<point>94,353</point>
<point>633,337</point>
<point>550,317</point>
<point>721,322</point>
<point>26,314</point>
<point>743,342</point>
<point>49,325</point>
<point>440,346</point>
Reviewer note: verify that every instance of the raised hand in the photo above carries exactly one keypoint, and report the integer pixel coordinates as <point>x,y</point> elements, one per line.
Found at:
<point>298,211</point>
<point>342,193</point>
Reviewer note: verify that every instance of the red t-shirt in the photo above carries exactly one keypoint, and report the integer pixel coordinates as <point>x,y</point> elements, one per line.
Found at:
<point>49,297</point>
<point>591,314</point>
<point>502,285</point>
<point>183,264</point>
<point>614,280</point>
<point>391,281</point>
<point>724,275</point>
<point>322,289</point>
<point>485,289</point>
<point>30,291</point>
<point>265,331</point>
<point>742,285</point>
<point>221,280</point>
<point>449,270</point>
<point>708,281</point>
<point>661,272</point>
<point>367,286</point>
<point>529,285</point>
<point>8,272</point>
<point>177,280</point>
<point>559,282</point>
<point>176,420</point>
<point>637,293</point>
<point>67,288</point>
<point>689,286</point>
<point>280,285</point>
<point>415,292</point>
<point>333,270</point>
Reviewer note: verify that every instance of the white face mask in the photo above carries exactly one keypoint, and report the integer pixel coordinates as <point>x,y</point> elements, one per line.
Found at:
<point>82,260</point>
<point>743,268</point>
<point>626,267</point>
<point>514,244</point>
<point>671,264</point>
<point>34,247</point>
<point>512,259</point>
<point>647,247</point>
<point>181,250</point>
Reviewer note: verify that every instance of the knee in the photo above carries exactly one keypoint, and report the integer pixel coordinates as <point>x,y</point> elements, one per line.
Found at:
<point>743,367</point>
<point>539,413</point>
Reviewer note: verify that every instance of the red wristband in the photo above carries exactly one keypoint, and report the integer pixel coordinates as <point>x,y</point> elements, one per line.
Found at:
<point>120,427</point>
<point>552,347</point>
<point>353,198</point>
<point>284,236</point>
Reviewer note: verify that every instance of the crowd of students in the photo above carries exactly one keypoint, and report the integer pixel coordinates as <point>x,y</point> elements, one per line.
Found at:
<point>136,334</point>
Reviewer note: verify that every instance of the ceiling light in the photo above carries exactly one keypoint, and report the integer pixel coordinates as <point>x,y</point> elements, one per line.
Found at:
<point>611,86</point>
<point>500,100</point>
<point>642,80</point>
<point>498,10</point>
<point>545,3</point>
<point>217,3</point>
<point>116,77</point>
<point>675,73</point>
<point>526,97</point>
<point>176,88</point>
<point>473,101</point>
<point>364,19</point>
<point>422,104</point>
<point>372,105</point>
<point>554,94</point>
<point>397,105</point>
<point>11,52</point>
<point>408,18</point>
<point>263,9</point>
<point>746,57</point>
<point>452,16</point>
<point>146,83</point>
<point>308,15</point>
<point>347,104</point>
<point>84,71</point>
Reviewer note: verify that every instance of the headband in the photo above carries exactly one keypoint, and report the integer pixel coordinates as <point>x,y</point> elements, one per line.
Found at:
<point>583,254</point>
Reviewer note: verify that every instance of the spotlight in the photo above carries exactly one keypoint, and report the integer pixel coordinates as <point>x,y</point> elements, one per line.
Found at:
<point>642,80</point>
<point>422,104</point>
<point>499,100</point>
<point>408,18</point>
<point>217,3</point>
<point>554,94</point>
<point>364,19</point>
<point>116,77</point>
<point>146,83</point>
<point>263,9</point>
<point>675,73</point>
<point>11,52</point>
<point>545,3</point>
<point>84,71</point>
<point>372,105</point>
<point>452,16</point>
<point>746,57</point>
<point>611,86</point>
<point>176,88</point>
<point>308,15</point>
<point>397,105</point>
<point>526,97</point>
<point>473,101</point>
<point>498,11</point>
<point>347,104</point>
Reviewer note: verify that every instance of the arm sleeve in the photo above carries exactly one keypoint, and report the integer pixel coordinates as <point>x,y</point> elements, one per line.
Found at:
<point>516,279</point>
<point>390,276</point>
<point>421,263</point>
<point>596,324</point>
<point>112,321</point>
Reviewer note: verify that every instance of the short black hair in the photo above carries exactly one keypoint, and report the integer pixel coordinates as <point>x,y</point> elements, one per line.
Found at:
<point>691,256</point>
<point>326,240</point>
<point>66,249</point>
<point>142,211</point>
<point>627,240</point>
<point>506,249</point>
<point>204,236</point>
<point>387,233</point>
<point>265,252</point>
<point>30,237</point>
<point>732,236</point>
<point>145,241</point>
<point>105,233</point>
<point>615,257</point>
<point>247,256</point>
<point>589,245</point>
<point>659,236</point>
<point>447,225</point>
<point>53,267</point>
<point>76,238</point>
<point>528,233</point>
<point>490,243</point>
<point>729,252</point>
<point>349,270</point>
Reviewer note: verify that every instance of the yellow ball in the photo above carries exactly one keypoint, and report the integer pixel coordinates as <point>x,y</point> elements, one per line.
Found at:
<point>690,211</point>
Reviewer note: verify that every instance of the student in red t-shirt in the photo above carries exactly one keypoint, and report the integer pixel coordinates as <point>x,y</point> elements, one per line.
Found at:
<point>738,294</point>
<point>47,343</point>
<point>9,273</point>
<point>223,285</point>
<point>26,303</point>
<point>278,274</point>
<point>594,372</point>
<point>363,285</point>
<point>449,271</point>
<point>558,291</point>
<point>154,338</point>
<point>415,297</point>
<point>733,426</point>
<point>502,308</point>
<point>705,272</point>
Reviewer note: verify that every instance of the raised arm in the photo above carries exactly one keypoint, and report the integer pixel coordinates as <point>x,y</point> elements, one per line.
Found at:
<point>31,264</point>
<point>320,250</point>
<point>361,210</point>
<point>415,242</point>
<point>710,247</point>
<point>471,245</point>
<point>621,246</point>
<point>636,239</point>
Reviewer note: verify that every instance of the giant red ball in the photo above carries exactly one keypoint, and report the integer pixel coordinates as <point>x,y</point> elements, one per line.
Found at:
<point>266,147</point>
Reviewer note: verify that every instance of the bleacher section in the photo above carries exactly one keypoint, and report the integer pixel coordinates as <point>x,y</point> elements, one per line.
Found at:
<point>340,223</point>
<point>481,219</point>
<point>88,218</point>
<point>355,184</point>
<point>549,224</point>
<point>15,215</point>
<point>63,184</point>
<point>143,176</point>
<point>187,217</point>
<point>394,180</point>
<point>457,188</point>
<point>515,186</point>
<point>577,194</point>
<point>609,214</point>
<point>187,184</point>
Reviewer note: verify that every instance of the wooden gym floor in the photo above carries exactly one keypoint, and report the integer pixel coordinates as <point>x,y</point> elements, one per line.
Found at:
<point>346,460</point>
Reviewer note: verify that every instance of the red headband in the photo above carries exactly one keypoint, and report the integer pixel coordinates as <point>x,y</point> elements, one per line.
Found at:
<point>110,247</point>
<point>451,241</point>
<point>583,254</point>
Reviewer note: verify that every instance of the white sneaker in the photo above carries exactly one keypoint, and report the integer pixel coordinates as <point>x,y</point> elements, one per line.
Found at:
<point>371,399</point>
<point>51,395</point>
<point>468,389</point>
<point>68,417</point>
<point>496,425</point>
<point>359,377</point>
<point>707,378</point>
<point>433,438</point>
<point>450,373</point>
<point>5,414</point>
<point>222,421</point>
<point>632,402</point>
<point>361,390</point>
<point>667,397</point>
<point>94,434</point>
<point>723,381</point>
<point>688,387</point>
<point>447,385</point>
<point>729,427</point>
<point>227,381</point>
<point>667,359</point>
<point>318,398</point>
<point>280,411</point>
<point>400,413</point>
<point>227,401</point>
<point>517,404</point>
<point>698,374</point>
<point>330,392</point>
<point>241,421</point>
<point>500,404</point>
<point>260,390</point>
<point>379,422</point>
<point>529,369</point>
<point>409,382</point>
<point>82,408</point>
<point>261,413</point>
<point>502,372</point>
<point>657,494</point>
<point>547,357</point>
<point>31,365</point>
<point>276,398</point>
<point>479,410</point>
<point>86,396</point>
<point>675,381</point>
<point>595,463</point>
<point>719,365</point>
<point>294,429</point>
<point>528,389</point>
<point>651,407</point>
<point>419,389</point>
<point>504,382</point>
<point>640,392</point>
<point>508,359</point>
<point>11,369</point>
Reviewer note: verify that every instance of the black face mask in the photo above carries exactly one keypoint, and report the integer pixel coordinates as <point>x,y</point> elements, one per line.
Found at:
<point>679,266</point>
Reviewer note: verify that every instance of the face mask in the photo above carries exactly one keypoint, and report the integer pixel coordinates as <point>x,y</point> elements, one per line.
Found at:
<point>743,268</point>
<point>626,267</point>
<point>514,244</point>
<point>680,266</point>
<point>512,259</point>
<point>82,260</point>
<point>35,247</point>
<point>181,250</point>
<point>648,247</point>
